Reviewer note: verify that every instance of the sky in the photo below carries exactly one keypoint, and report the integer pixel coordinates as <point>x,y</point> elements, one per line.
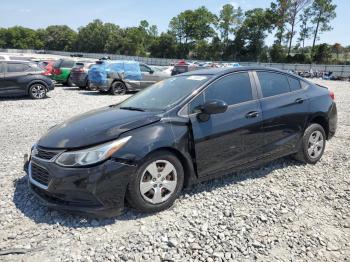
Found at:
<point>41,13</point>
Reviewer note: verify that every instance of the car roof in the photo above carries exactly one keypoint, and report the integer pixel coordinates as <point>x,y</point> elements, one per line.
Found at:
<point>17,61</point>
<point>223,71</point>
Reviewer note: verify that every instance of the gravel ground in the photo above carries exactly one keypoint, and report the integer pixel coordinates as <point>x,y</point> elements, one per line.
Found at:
<point>283,211</point>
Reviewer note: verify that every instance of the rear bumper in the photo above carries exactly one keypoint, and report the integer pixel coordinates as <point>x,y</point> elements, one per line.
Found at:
<point>79,79</point>
<point>96,191</point>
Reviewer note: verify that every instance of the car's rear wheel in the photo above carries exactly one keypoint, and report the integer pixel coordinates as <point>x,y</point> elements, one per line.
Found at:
<point>313,144</point>
<point>118,88</point>
<point>37,91</point>
<point>157,184</point>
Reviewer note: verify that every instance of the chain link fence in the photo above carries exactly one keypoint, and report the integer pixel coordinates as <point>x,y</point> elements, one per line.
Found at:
<point>338,70</point>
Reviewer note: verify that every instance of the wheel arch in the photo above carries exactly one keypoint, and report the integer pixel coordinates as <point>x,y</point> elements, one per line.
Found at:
<point>189,173</point>
<point>322,121</point>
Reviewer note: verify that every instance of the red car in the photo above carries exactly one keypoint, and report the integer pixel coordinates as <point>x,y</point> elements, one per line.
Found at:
<point>47,66</point>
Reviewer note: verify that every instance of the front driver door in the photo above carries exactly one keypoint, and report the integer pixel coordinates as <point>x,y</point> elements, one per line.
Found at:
<point>148,76</point>
<point>233,138</point>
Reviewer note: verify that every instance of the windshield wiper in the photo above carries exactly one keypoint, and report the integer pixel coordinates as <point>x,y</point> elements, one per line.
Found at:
<point>132,108</point>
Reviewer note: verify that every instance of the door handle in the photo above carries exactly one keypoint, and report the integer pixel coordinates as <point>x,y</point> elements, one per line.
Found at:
<point>252,114</point>
<point>299,101</point>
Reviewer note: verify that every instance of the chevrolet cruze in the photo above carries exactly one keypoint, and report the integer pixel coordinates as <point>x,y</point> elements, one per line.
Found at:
<point>188,128</point>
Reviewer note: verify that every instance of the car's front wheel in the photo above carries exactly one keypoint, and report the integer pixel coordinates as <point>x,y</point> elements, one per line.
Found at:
<point>313,144</point>
<point>157,184</point>
<point>37,91</point>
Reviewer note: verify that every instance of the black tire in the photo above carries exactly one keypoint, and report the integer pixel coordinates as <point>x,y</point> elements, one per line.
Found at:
<point>37,91</point>
<point>118,88</point>
<point>69,82</point>
<point>303,154</point>
<point>134,196</point>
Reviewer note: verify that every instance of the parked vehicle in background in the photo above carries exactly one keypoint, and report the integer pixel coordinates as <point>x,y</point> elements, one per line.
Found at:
<point>118,77</point>
<point>62,69</point>
<point>23,78</point>
<point>79,74</point>
<point>186,129</point>
<point>47,66</point>
<point>182,67</point>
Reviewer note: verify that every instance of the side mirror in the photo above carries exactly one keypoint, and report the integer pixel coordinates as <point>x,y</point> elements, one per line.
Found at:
<point>151,72</point>
<point>211,107</point>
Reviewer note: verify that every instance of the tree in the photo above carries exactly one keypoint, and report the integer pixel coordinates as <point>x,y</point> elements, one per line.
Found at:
<point>94,36</point>
<point>3,40</point>
<point>305,28</point>
<point>337,48</point>
<point>59,37</point>
<point>164,46</point>
<point>322,13</point>
<point>322,53</point>
<point>192,25</point>
<point>278,14</point>
<point>229,20</point>
<point>253,32</point>
<point>23,38</point>
<point>295,7</point>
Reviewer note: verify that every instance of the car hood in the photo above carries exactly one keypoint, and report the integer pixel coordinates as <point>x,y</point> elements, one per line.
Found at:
<point>95,127</point>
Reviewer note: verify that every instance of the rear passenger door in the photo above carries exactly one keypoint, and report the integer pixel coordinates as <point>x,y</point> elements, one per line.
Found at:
<point>14,72</point>
<point>285,107</point>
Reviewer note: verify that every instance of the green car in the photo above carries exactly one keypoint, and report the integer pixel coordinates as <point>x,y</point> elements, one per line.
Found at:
<point>61,71</point>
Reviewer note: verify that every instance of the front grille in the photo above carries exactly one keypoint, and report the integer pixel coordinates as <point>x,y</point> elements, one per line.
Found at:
<point>45,154</point>
<point>40,175</point>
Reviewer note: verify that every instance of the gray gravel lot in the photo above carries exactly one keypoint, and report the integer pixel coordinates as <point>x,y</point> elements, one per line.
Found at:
<point>283,211</point>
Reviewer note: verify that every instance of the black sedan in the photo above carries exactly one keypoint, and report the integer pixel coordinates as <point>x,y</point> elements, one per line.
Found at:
<point>23,78</point>
<point>188,128</point>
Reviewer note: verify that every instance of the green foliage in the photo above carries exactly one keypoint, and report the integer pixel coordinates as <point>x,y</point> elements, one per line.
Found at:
<point>322,54</point>
<point>58,37</point>
<point>164,46</point>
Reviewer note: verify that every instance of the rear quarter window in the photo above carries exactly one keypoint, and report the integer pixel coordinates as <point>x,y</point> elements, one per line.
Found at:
<point>273,84</point>
<point>294,84</point>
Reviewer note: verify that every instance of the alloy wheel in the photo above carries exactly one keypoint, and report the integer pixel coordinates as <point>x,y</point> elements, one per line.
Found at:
<point>38,91</point>
<point>315,144</point>
<point>119,88</point>
<point>158,181</point>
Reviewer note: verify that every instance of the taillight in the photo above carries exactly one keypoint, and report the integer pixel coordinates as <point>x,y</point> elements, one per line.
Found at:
<point>331,94</point>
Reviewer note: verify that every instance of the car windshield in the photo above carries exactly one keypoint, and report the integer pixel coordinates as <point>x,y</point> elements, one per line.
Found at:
<point>165,94</point>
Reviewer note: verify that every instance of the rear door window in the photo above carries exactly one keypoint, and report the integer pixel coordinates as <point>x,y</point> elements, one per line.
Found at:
<point>17,67</point>
<point>273,84</point>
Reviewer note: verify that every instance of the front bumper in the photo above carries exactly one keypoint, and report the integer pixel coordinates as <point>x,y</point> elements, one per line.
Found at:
<point>97,191</point>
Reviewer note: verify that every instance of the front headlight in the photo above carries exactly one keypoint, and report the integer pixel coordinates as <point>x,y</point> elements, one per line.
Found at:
<point>91,155</point>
